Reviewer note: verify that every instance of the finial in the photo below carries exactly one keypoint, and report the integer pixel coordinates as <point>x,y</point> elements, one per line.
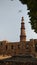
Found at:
<point>22,19</point>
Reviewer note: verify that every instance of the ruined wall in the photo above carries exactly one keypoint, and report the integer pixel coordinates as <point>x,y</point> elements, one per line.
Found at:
<point>15,48</point>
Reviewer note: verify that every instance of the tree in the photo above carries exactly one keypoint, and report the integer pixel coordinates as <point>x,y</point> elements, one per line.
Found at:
<point>32,6</point>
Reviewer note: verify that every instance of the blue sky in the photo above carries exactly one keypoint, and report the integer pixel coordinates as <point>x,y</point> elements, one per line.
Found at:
<point>10,21</point>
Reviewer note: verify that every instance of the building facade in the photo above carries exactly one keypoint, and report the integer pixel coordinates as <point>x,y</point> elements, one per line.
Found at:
<point>21,47</point>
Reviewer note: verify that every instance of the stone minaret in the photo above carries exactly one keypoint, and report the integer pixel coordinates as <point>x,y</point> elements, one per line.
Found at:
<point>23,34</point>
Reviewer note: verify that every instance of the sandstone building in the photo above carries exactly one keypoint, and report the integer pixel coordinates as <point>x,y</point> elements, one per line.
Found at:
<point>20,49</point>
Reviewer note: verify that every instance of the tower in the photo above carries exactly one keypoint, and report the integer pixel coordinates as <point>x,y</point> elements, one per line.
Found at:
<point>23,34</point>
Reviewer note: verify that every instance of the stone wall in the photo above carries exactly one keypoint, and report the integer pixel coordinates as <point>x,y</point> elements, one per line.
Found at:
<point>15,48</point>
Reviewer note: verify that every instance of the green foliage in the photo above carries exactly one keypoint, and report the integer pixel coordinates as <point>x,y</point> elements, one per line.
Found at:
<point>32,6</point>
